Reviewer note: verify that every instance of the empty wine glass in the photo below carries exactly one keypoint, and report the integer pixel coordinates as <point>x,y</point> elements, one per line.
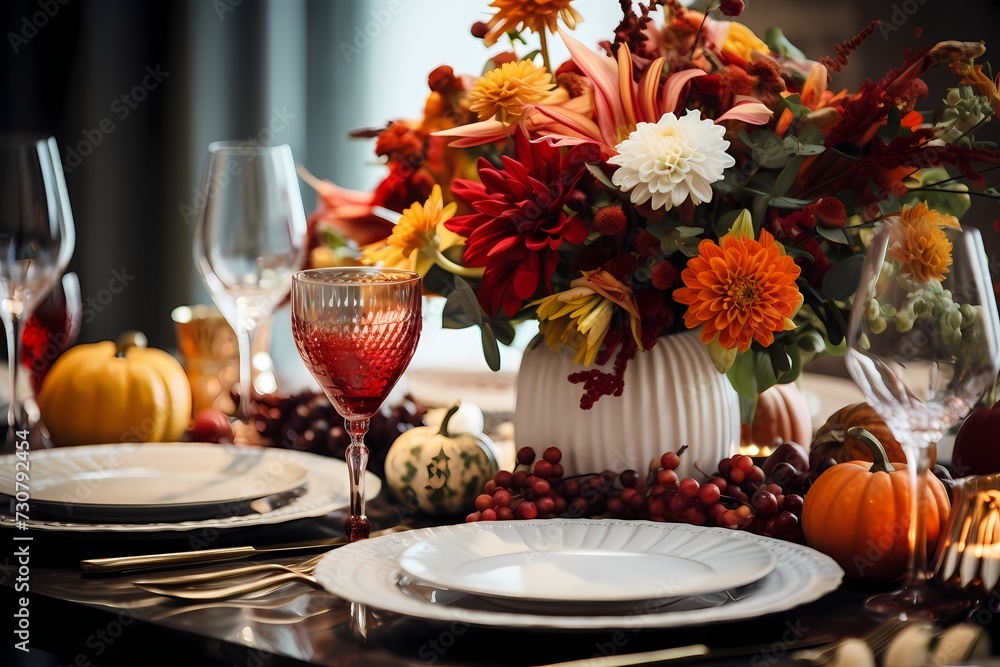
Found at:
<point>37,239</point>
<point>248,240</point>
<point>356,329</point>
<point>923,347</point>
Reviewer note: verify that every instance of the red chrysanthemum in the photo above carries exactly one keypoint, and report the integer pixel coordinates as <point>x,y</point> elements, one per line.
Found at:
<point>519,222</point>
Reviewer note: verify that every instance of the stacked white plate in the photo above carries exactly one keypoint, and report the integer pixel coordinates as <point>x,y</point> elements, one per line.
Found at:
<point>578,574</point>
<point>153,487</point>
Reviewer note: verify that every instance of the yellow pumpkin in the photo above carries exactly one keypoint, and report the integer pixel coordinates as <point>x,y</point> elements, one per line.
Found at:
<point>439,473</point>
<point>115,392</point>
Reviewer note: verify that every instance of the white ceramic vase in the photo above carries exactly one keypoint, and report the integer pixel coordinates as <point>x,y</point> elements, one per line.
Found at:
<point>673,396</point>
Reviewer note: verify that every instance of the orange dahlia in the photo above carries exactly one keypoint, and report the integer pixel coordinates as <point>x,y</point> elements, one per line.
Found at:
<point>740,291</point>
<point>534,15</point>
<point>918,242</point>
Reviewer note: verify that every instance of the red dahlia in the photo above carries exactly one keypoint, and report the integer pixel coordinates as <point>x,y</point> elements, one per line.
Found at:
<point>519,222</point>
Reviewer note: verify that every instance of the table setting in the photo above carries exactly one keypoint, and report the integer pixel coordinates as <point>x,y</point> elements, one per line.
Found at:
<point>685,219</point>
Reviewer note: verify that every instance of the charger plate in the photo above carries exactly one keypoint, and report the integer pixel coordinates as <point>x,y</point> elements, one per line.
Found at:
<point>254,472</point>
<point>368,572</point>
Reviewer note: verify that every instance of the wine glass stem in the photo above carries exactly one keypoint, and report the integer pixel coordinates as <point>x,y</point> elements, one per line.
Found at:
<point>358,526</point>
<point>245,338</point>
<point>13,324</point>
<point>918,462</point>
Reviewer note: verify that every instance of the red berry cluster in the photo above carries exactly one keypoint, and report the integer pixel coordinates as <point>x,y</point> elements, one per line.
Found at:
<point>738,495</point>
<point>529,492</point>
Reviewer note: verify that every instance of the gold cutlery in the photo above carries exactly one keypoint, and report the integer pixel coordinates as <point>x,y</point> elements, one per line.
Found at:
<point>878,641</point>
<point>152,561</point>
<point>264,585</point>
<point>694,651</point>
<point>305,567</point>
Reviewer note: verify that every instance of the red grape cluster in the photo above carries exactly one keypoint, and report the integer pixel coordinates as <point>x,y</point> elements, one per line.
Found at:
<point>739,495</point>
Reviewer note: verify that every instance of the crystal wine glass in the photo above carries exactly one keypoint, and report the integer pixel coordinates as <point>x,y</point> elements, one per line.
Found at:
<point>923,347</point>
<point>356,329</point>
<point>248,240</point>
<point>37,239</point>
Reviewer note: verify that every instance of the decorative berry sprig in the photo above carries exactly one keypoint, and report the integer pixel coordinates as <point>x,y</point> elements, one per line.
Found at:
<point>738,495</point>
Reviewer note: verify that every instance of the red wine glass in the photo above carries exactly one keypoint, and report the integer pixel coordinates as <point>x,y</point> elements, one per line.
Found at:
<point>356,330</point>
<point>51,329</point>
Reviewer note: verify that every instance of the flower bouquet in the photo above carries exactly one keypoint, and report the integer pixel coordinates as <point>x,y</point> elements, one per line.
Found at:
<point>686,175</point>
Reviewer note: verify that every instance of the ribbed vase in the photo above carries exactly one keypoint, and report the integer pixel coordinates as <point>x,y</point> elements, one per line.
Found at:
<point>673,396</point>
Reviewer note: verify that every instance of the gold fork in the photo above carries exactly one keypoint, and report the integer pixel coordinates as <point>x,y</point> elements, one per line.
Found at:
<point>181,586</point>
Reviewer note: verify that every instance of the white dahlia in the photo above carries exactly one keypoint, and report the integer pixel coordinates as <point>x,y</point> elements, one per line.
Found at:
<point>671,160</point>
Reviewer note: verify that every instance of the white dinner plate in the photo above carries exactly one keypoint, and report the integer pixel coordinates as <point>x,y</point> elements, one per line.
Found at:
<point>138,483</point>
<point>576,563</point>
<point>325,487</point>
<point>368,572</point>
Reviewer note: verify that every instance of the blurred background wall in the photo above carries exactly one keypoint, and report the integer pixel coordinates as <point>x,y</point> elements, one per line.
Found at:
<point>134,91</point>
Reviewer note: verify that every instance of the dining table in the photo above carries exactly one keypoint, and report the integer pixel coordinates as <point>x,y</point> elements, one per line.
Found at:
<point>82,620</point>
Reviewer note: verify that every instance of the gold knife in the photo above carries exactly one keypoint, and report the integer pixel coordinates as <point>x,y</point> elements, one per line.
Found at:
<point>151,561</point>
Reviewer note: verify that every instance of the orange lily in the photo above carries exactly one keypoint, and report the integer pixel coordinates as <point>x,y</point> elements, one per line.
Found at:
<point>617,105</point>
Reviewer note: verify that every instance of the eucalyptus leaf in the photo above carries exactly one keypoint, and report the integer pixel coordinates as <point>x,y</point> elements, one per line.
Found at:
<point>809,134</point>
<point>491,350</point>
<point>764,372</point>
<point>760,204</point>
<point>811,149</point>
<point>688,232</point>
<point>787,176</point>
<point>798,253</point>
<point>790,202</point>
<point>504,331</point>
<point>841,281</point>
<point>836,327</point>
<point>742,375</point>
<point>780,361</point>
<point>836,235</point>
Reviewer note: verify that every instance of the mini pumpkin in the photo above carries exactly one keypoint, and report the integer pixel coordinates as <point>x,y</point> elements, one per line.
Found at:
<point>832,440</point>
<point>782,415</point>
<point>437,472</point>
<point>115,392</point>
<point>857,513</point>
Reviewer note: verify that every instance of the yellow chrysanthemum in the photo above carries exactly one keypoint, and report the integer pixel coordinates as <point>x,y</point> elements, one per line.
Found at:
<point>534,15</point>
<point>918,242</point>
<point>417,237</point>
<point>742,42</point>
<point>505,91</point>
<point>580,317</point>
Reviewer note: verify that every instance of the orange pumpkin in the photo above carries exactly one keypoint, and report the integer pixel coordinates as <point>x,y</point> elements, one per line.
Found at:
<point>858,514</point>
<point>782,415</point>
<point>833,441</point>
